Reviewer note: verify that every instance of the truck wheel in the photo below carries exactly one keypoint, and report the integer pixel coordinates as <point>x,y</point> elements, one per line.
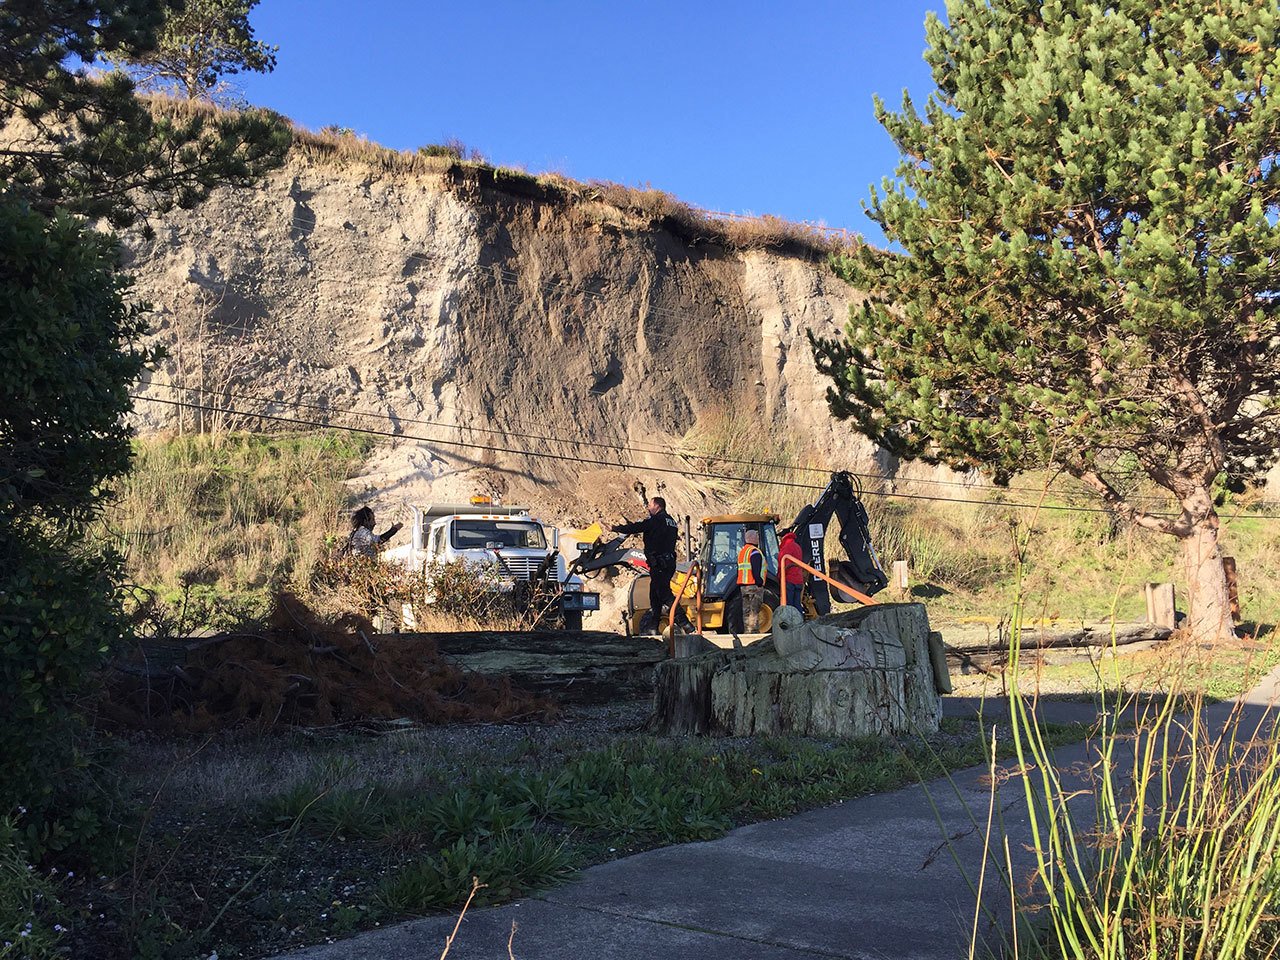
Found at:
<point>573,620</point>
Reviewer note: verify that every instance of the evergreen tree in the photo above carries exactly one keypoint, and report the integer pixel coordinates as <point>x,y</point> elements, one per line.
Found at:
<point>75,147</point>
<point>88,145</point>
<point>1090,268</point>
<point>197,46</point>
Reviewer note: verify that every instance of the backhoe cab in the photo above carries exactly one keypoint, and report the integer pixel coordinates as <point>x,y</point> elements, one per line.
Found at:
<point>715,577</point>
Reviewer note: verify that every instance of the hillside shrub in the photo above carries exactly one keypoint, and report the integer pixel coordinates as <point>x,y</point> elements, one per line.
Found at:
<point>453,149</point>
<point>214,524</point>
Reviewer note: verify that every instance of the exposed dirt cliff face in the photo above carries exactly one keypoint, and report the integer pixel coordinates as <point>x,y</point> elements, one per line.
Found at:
<point>498,316</point>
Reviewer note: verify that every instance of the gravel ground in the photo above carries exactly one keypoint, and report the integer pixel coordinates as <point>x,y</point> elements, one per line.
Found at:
<point>238,767</point>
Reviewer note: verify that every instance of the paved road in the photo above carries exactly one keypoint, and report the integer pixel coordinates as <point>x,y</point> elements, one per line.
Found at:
<point>869,878</point>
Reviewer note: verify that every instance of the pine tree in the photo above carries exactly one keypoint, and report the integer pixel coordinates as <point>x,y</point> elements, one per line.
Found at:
<point>1088,272</point>
<point>197,46</point>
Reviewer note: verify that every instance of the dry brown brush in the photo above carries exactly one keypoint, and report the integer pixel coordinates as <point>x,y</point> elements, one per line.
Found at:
<point>302,669</point>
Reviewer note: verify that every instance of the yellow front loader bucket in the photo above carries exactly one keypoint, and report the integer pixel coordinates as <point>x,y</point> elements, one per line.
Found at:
<point>588,534</point>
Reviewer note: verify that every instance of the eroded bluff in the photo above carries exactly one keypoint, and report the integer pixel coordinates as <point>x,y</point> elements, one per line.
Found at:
<point>446,307</point>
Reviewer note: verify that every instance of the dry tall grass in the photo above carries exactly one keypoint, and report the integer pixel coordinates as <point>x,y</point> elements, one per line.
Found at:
<point>233,517</point>
<point>343,148</point>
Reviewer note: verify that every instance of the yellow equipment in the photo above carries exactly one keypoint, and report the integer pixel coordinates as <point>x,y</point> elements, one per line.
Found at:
<point>708,587</point>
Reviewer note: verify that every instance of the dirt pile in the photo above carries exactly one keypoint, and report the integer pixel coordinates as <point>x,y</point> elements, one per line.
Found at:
<point>302,670</point>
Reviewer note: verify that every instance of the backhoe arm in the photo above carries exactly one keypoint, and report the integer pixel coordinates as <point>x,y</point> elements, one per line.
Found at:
<point>861,570</point>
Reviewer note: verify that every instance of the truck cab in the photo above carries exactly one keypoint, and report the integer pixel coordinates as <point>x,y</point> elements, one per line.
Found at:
<point>506,542</point>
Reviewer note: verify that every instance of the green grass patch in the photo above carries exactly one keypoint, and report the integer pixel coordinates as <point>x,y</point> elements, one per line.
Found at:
<point>507,865</point>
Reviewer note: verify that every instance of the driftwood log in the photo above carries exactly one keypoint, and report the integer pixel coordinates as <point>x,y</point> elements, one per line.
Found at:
<point>1100,634</point>
<point>1092,639</point>
<point>572,667</point>
<point>869,671</point>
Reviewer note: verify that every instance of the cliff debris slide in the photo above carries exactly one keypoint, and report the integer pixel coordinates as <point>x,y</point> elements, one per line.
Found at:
<point>492,312</point>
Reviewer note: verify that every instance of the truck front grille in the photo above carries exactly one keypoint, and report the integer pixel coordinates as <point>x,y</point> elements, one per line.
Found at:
<point>523,568</point>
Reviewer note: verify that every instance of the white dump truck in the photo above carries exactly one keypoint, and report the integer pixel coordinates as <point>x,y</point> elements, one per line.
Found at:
<point>506,542</point>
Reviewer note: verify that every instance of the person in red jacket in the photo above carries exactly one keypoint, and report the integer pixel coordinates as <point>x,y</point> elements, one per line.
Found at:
<point>795,575</point>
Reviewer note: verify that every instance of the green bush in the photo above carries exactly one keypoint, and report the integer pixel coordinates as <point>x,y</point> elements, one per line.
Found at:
<point>57,621</point>
<point>64,376</point>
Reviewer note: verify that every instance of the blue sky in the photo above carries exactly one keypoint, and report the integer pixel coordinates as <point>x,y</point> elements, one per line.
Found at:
<point>753,107</point>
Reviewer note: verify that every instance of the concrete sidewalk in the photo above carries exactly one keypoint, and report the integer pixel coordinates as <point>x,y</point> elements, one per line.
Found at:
<point>874,877</point>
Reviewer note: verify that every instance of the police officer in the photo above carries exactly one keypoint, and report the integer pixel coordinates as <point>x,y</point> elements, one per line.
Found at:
<point>660,533</point>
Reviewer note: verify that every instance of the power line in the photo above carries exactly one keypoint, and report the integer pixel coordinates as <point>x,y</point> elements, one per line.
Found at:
<point>622,448</point>
<point>579,442</point>
<point>591,461</point>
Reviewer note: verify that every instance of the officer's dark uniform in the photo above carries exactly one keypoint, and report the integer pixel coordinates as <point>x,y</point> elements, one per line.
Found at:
<point>660,534</point>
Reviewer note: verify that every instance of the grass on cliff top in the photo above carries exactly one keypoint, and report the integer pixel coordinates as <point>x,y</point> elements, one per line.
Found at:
<point>658,208</point>
<point>222,521</point>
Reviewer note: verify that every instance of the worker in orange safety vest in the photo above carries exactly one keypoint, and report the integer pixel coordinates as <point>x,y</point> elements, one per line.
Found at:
<point>751,573</point>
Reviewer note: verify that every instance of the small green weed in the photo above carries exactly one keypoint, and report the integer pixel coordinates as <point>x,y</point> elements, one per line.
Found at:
<point>322,807</point>
<point>508,865</point>
<point>28,905</point>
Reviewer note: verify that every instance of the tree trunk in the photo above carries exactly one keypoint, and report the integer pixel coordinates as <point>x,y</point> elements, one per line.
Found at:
<point>1209,603</point>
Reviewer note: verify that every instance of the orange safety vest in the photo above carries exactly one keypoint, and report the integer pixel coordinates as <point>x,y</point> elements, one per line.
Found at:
<point>745,575</point>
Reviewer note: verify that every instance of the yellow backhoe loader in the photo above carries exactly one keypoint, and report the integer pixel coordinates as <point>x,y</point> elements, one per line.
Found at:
<point>706,586</point>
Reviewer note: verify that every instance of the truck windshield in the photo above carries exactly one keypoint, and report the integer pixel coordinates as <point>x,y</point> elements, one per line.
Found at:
<point>475,534</point>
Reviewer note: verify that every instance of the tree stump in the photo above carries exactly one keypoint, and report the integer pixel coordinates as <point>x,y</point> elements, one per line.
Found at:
<point>869,671</point>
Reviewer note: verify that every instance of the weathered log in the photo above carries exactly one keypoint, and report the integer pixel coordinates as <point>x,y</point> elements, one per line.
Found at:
<point>577,667</point>
<point>1089,642</point>
<point>994,640</point>
<point>1092,635</point>
<point>869,671</point>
